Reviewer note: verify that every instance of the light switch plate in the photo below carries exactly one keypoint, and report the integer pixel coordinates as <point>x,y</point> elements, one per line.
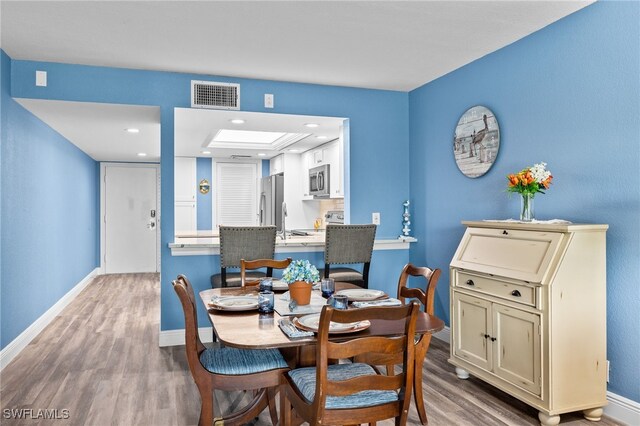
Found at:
<point>375,218</point>
<point>41,78</point>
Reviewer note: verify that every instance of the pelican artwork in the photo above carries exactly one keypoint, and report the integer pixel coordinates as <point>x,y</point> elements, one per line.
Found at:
<point>478,130</point>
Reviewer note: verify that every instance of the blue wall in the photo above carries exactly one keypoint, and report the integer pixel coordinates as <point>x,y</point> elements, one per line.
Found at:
<point>49,216</point>
<point>568,95</point>
<point>204,201</point>
<point>379,123</point>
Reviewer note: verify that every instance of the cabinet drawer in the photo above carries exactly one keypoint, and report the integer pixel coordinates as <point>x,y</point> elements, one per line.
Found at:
<point>494,287</point>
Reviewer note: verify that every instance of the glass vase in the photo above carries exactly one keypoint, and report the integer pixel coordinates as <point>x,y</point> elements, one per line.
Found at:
<point>526,208</point>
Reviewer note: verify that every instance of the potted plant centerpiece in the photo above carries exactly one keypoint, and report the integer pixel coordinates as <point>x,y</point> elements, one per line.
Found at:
<point>300,275</point>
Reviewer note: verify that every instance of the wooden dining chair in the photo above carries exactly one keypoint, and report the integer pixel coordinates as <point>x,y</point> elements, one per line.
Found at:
<point>353,393</point>
<point>348,244</point>
<point>423,341</point>
<point>243,242</point>
<point>228,369</point>
<point>251,265</point>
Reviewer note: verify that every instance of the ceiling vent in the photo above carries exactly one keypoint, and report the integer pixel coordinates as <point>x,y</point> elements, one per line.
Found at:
<point>239,156</point>
<point>209,94</point>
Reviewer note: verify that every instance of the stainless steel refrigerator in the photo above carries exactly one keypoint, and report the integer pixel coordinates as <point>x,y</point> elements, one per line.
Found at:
<point>271,198</point>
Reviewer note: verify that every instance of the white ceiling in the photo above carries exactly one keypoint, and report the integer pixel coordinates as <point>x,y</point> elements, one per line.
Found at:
<point>393,45</point>
<point>99,129</point>
<point>194,128</point>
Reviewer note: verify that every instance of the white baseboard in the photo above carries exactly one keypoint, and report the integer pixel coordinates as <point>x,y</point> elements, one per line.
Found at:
<point>176,337</point>
<point>19,343</point>
<point>622,409</point>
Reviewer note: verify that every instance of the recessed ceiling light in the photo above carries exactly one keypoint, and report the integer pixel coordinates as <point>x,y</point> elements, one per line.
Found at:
<point>293,150</point>
<point>321,137</point>
<point>237,121</point>
<point>132,130</point>
<point>206,152</point>
<point>262,154</point>
<point>312,125</point>
<point>142,154</point>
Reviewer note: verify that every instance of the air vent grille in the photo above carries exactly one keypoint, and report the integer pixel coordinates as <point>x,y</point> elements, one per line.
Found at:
<point>209,94</point>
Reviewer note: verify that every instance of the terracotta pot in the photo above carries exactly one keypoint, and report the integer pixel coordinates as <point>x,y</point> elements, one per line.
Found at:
<point>300,291</point>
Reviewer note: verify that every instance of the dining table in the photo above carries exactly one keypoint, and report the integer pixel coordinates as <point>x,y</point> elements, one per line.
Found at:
<point>251,330</point>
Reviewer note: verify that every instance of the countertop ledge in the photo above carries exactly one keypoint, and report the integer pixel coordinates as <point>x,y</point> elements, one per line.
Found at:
<point>202,246</point>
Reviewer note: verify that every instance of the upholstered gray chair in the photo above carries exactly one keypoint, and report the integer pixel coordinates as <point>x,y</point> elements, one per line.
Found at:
<point>348,244</point>
<point>243,242</point>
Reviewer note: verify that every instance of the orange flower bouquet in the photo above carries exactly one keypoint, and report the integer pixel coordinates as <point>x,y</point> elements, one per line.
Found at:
<point>528,182</point>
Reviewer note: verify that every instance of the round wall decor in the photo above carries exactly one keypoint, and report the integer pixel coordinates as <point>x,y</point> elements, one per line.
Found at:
<point>476,141</point>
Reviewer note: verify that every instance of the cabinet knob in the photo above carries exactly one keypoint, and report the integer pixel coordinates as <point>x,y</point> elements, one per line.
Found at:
<point>516,293</point>
<point>486,336</point>
<point>470,282</point>
<point>505,233</point>
<point>493,339</point>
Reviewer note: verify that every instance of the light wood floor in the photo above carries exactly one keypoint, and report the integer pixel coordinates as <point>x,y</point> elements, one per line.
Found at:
<point>100,360</point>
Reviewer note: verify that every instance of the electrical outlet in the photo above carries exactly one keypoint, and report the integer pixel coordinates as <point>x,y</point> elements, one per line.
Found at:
<point>268,100</point>
<point>375,218</point>
<point>608,370</point>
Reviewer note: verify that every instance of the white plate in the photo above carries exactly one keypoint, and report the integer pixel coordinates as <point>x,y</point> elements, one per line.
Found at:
<point>236,303</point>
<point>312,322</point>
<point>362,295</point>
<point>280,285</point>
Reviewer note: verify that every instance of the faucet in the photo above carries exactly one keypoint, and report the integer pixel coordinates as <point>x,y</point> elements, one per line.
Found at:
<point>283,235</point>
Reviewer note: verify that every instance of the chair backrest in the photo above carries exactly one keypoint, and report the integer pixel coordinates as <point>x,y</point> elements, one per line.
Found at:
<point>349,243</point>
<point>246,265</point>
<point>425,297</point>
<point>399,345</point>
<point>246,242</point>
<point>193,344</point>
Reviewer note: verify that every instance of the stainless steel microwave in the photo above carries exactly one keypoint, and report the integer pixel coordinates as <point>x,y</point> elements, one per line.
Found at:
<point>319,181</point>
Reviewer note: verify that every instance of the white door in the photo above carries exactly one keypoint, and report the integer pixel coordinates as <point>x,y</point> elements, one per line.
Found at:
<point>130,218</point>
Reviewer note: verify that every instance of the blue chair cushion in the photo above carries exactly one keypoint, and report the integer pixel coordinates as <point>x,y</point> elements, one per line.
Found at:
<point>233,361</point>
<point>305,380</point>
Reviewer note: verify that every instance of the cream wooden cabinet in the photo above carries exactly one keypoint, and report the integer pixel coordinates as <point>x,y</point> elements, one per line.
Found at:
<point>528,313</point>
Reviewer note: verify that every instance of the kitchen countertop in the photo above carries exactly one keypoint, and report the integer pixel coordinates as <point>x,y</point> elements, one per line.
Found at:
<point>208,243</point>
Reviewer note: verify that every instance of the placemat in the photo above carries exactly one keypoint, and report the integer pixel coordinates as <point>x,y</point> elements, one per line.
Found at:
<point>282,304</point>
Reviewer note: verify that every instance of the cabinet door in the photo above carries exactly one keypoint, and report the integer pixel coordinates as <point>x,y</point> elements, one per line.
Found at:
<point>185,218</point>
<point>471,326</point>
<point>517,347</point>
<point>332,157</point>
<point>276,165</point>
<point>185,179</point>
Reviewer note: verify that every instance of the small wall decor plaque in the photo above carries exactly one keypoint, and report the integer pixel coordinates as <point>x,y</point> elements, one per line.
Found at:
<point>204,186</point>
<point>476,141</point>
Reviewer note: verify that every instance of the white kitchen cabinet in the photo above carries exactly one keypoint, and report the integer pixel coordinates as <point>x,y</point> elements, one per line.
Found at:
<point>277,165</point>
<point>333,156</point>
<point>306,162</point>
<point>185,179</point>
<point>528,313</point>
<point>185,207</point>
<point>185,217</point>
